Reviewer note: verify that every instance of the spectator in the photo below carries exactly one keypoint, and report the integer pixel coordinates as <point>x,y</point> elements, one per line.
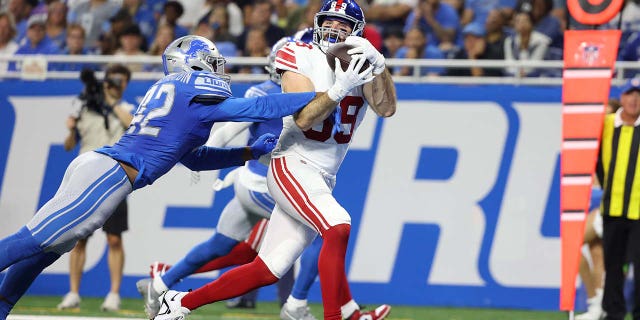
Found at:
<point>255,46</point>
<point>303,17</point>
<point>260,19</point>
<point>7,34</point>
<point>234,13</point>
<point>130,41</point>
<point>439,21</point>
<point>476,11</point>
<point>215,27</point>
<point>630,20</point>
<point>631,52</point>
<point>21,10</point>
<point>93,15</point>
<point>388,13</point>
<point>525,44</point>
<point>172,11</point>
<point>93,126</point>
<point>36,41</point>
<point>75,45</point>
<point>120,21</point>
<point>495,34</point>
<point>417,47</point>
<point>107,44</point>
<point>57,23</point>
<point>474,48</point>
<point>545,23</point>
<point>393,40</point>
<point>142,12</point>
<point>163,38</point>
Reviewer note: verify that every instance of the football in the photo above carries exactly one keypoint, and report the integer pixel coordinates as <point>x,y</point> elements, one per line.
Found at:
<point>339,50</point>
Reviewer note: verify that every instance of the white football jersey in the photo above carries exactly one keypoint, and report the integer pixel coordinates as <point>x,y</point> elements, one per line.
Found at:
<point>317,144</point>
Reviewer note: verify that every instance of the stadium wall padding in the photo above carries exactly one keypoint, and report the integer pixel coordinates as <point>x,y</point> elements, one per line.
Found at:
<point>454,200</point>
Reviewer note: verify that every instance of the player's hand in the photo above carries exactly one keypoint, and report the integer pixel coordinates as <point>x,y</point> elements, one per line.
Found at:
<point>350,78</point>
<point>71,123</point>
<point>263,145</point>
<point>364,47</point>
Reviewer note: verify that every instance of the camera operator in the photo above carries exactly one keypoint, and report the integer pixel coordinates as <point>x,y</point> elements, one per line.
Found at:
<point>100,120</point>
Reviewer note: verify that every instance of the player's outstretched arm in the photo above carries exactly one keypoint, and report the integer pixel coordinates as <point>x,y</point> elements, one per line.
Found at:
<point>212,158</point>
<point>321,107</point>
<point>256,109</point>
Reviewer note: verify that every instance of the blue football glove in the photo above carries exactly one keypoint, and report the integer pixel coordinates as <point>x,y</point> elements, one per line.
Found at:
<point>263,145</point>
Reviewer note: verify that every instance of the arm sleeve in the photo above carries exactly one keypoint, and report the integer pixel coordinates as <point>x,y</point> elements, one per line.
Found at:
<point>257,109</point>
<point>222,136</point>
<point>209,158</point>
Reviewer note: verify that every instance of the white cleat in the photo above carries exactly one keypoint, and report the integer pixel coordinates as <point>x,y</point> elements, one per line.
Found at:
<point>69,301</point>
<point>300,313</point>
<point>111,302</point>
<point>378,313</point>
<point>150,297</point>
<point>594,309</point>
<point>171,307</point>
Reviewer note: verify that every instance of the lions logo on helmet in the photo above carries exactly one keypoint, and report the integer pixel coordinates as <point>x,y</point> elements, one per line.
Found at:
<point>193,53</point>
<point>346,10</point>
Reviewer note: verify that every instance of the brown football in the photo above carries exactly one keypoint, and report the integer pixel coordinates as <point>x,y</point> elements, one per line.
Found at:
<point>339,50</point>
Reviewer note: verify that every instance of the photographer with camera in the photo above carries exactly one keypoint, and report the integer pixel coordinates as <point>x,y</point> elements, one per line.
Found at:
<point>102,117</point>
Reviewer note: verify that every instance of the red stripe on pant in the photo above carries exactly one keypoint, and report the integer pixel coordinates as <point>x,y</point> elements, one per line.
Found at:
<point>313,207</point>
<point>293,196</point>
<point>255,237</point>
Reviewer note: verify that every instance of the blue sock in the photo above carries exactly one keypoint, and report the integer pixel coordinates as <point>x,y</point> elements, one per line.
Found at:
<point>217,246</point>
<point>308,270</point>
<point>19,278</point>
<point>17,246</point>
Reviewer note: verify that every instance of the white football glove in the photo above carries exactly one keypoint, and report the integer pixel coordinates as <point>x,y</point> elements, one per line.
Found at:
<point>348,79</point>
<point>364,47</point>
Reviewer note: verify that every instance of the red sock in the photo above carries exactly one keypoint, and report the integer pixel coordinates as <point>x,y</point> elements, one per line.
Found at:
<point>333,278</point>
<point>232,283</point>
<point>242,253</point>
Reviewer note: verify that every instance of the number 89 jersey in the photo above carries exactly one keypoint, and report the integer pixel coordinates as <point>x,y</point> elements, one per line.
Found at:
<point>318,144</point>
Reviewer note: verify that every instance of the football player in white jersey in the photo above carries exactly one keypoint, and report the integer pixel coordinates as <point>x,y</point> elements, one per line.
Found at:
<point>302,172</point>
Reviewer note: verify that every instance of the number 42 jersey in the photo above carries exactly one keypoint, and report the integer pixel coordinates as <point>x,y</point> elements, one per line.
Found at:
<point>177,113</point>
<point>319,144</point>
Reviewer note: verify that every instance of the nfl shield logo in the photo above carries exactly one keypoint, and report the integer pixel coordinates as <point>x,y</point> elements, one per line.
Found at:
<point>589,53</point>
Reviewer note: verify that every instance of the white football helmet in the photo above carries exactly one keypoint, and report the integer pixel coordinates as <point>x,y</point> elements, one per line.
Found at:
<point>271,65</point>
<point>193,53</point>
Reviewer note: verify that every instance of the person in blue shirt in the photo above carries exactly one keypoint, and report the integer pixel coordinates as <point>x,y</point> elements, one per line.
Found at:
<point>171,125</point>
<point>416,47</point>
<point>36,41</point>
<point>438,20</point>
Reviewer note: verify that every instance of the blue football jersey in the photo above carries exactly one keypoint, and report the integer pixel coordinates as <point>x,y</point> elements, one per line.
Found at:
<point>176,116</point>
<point>259,128</point>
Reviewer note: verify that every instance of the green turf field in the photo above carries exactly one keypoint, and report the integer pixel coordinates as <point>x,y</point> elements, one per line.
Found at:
<point>132,308</point>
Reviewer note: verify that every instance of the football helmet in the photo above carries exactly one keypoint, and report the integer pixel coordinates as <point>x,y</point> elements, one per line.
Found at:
<point>304,35</point>
<point>271,65</point>
<point>193,53</point>
<point>346,10</point>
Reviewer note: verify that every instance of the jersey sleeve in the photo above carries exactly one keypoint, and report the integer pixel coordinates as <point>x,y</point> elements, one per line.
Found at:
<point>207,86</point>
<point>291,57</point>
<point>256,109</point>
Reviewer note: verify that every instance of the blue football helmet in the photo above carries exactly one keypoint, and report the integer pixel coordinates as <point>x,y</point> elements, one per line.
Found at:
<point>304,35</point>
<point>193,53</point>
<point>345,10</point>
<point>271,65</point>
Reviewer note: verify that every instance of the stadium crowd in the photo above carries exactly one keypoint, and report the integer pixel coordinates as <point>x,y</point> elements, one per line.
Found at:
<point>430,29</point>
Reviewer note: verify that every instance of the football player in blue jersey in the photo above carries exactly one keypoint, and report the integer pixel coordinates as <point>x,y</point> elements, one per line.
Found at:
<point>171,125</point>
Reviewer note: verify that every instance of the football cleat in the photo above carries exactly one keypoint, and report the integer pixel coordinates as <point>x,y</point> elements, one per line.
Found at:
<point>380,312</point>
<point>300,313</point>
<point>111,302</point>
<point>171,307</point>
<point>71,300</point>
<point>150,296</point>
